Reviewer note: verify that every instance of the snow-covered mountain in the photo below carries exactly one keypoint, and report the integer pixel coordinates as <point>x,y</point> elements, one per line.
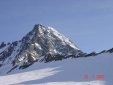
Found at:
<point>70,71</point>
<point>42,44</point>
<point>46,57</point>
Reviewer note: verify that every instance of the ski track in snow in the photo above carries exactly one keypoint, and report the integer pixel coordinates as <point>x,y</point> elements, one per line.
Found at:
<point>65,72</point>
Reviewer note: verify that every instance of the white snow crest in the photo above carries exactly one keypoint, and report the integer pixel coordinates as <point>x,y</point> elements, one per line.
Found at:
<point>63,38</point>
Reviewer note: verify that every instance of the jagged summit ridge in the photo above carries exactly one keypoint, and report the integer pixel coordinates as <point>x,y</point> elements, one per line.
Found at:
<point>43,30</point>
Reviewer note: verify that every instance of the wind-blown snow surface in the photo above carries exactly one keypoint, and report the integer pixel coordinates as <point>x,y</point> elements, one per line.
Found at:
<point>65,72</point>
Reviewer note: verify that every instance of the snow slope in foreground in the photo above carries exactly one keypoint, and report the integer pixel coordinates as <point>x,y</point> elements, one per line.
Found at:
<point>65,72</point>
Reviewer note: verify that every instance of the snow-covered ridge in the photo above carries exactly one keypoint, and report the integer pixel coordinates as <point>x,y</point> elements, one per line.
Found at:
<point>62,37</point>
<point>66,72</point>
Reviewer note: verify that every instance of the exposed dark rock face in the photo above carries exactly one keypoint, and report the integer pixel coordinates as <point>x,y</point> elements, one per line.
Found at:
<point>7,52</point>
<point>2,45</point>
<point>91,54</point>
<point>110,50</point>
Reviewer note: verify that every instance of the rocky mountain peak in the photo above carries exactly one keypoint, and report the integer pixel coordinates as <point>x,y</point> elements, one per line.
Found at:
<point>42,44</point>
<point>38,27</point>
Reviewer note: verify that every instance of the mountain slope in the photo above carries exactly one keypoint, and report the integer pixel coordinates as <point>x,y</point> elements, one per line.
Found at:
<point>66,72</point>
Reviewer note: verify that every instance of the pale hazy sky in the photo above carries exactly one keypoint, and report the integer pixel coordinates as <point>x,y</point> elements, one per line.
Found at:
<point>88,23</point>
